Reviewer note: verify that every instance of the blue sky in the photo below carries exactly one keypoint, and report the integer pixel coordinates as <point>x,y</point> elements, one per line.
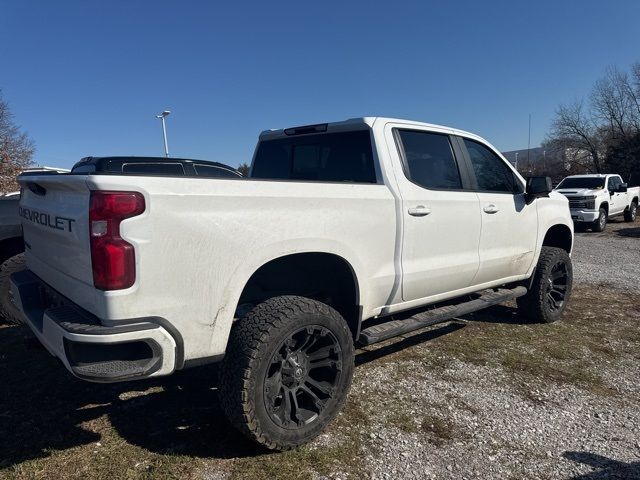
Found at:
<point>87,77</point>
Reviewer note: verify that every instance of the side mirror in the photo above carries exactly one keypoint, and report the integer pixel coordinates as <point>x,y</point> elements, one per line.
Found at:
<point>538,187</point>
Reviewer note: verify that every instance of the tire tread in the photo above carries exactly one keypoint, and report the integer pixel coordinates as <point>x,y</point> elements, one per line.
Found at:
<point>242,358</point>
<point>532,304</point>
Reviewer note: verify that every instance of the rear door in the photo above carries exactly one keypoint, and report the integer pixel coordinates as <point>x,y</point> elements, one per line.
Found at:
<point>441,220</point>
<point>509,225</point>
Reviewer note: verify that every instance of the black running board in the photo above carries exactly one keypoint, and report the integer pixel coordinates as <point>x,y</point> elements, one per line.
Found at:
<point>394,328</point>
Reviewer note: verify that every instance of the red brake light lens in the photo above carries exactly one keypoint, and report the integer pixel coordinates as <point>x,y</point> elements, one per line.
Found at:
<point>112,258</point>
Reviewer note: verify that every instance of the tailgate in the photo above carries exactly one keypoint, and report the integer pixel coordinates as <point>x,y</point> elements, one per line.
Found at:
<point>54,211</point>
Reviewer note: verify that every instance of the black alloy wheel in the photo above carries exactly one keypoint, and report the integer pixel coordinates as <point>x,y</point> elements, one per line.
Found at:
<point>302,377</point>
<point>557,286</point>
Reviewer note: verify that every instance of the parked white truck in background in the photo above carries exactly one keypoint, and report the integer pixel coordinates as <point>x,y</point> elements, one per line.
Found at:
<point>339,229</point>
<point>593,199</point>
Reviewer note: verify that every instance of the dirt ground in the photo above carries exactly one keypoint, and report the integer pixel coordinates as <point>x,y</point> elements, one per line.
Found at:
<point>488,397</point>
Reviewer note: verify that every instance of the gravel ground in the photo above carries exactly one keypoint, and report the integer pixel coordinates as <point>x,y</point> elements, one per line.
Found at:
<point>611,257</point>
<point>562,432</point>
<point>477,420</point>
<point>488,398</point>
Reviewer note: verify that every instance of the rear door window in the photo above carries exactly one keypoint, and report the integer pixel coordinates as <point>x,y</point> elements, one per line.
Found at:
<point>429,159</point>
<point>328,157</point>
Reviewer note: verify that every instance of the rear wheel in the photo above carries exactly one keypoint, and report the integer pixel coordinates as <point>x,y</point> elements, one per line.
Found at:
<point>600,224</point>
<point>9,313</point>
<point>550,287</point>
<point>631,212</point>
<point>287,371</point>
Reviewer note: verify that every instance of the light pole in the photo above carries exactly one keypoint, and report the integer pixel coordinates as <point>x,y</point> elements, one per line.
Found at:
<point>164,131</point>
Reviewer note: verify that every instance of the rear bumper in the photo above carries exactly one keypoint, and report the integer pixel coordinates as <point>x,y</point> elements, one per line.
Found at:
<point>88,349</point>
<point>584,215</point>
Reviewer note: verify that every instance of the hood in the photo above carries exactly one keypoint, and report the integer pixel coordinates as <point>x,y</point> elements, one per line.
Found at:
<point>579,192</point>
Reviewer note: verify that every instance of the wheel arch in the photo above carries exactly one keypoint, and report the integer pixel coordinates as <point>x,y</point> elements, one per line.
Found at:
<point>559,235</point>
<point>323,276</point>
<point>10,246</point>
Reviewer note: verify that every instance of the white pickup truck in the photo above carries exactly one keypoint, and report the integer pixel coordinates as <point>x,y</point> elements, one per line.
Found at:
<point>340,229</point>
<point>593,199</point>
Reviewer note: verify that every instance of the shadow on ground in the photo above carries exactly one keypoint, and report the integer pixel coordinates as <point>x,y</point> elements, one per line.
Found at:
<point>44,408</point>
<point>603,468</point>
<point>633,232</point>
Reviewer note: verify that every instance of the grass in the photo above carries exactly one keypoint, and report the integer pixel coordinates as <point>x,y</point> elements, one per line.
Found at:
<point>438,429</point>
<point>567,352</point>
<point>441,430</point>
<point>55,426</point>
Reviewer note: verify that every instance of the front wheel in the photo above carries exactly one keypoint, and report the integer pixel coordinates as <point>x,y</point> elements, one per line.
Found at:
<point>287,371</point>
<point>550,287</point>
<point>631,212</point>
<point>600,224</point>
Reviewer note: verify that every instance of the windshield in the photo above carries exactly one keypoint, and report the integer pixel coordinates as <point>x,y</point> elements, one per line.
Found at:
<point>582,182</point>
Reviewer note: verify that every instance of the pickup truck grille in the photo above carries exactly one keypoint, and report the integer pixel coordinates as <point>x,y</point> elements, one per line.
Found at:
<point>587,203</point>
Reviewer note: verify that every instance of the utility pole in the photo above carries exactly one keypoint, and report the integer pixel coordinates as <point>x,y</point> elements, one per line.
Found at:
<point>516,165</point>
<point>529,142</point>
<point>164,131</point>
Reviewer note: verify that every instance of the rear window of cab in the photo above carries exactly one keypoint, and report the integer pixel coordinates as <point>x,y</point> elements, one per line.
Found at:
<point>327,157</point>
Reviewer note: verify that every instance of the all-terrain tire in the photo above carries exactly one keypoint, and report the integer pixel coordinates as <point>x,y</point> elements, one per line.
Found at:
<point>550,288</point>
<point>631,212</point>
<point>263,340</point>
<point>601,222</point>
<point>9,313</point>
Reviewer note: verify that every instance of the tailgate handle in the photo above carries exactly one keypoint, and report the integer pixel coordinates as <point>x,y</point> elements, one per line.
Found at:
<point>37,189</point>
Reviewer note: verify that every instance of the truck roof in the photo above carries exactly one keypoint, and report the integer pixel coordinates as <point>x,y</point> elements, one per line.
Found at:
<point>357,123</point>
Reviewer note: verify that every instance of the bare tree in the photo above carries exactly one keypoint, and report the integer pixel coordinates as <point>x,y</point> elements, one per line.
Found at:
<point>611,103</point>
<point>575,131</point>
<point>16,149</point>
<point>633,91</point>
<point>243,168</point>
<point>605,132</point>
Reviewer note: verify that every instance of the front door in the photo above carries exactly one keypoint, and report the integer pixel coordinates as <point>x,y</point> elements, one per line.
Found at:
<point>509,225</point>
<point>617,200</point>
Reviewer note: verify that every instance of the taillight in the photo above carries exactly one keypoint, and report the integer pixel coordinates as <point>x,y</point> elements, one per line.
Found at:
<point>113,259</point>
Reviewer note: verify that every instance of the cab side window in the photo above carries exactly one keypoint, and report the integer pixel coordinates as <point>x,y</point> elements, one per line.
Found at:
<point>492,174</point>
<point>430,161</point>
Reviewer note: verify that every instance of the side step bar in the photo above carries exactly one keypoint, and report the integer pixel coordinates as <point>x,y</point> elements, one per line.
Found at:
<point>394,328</point>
